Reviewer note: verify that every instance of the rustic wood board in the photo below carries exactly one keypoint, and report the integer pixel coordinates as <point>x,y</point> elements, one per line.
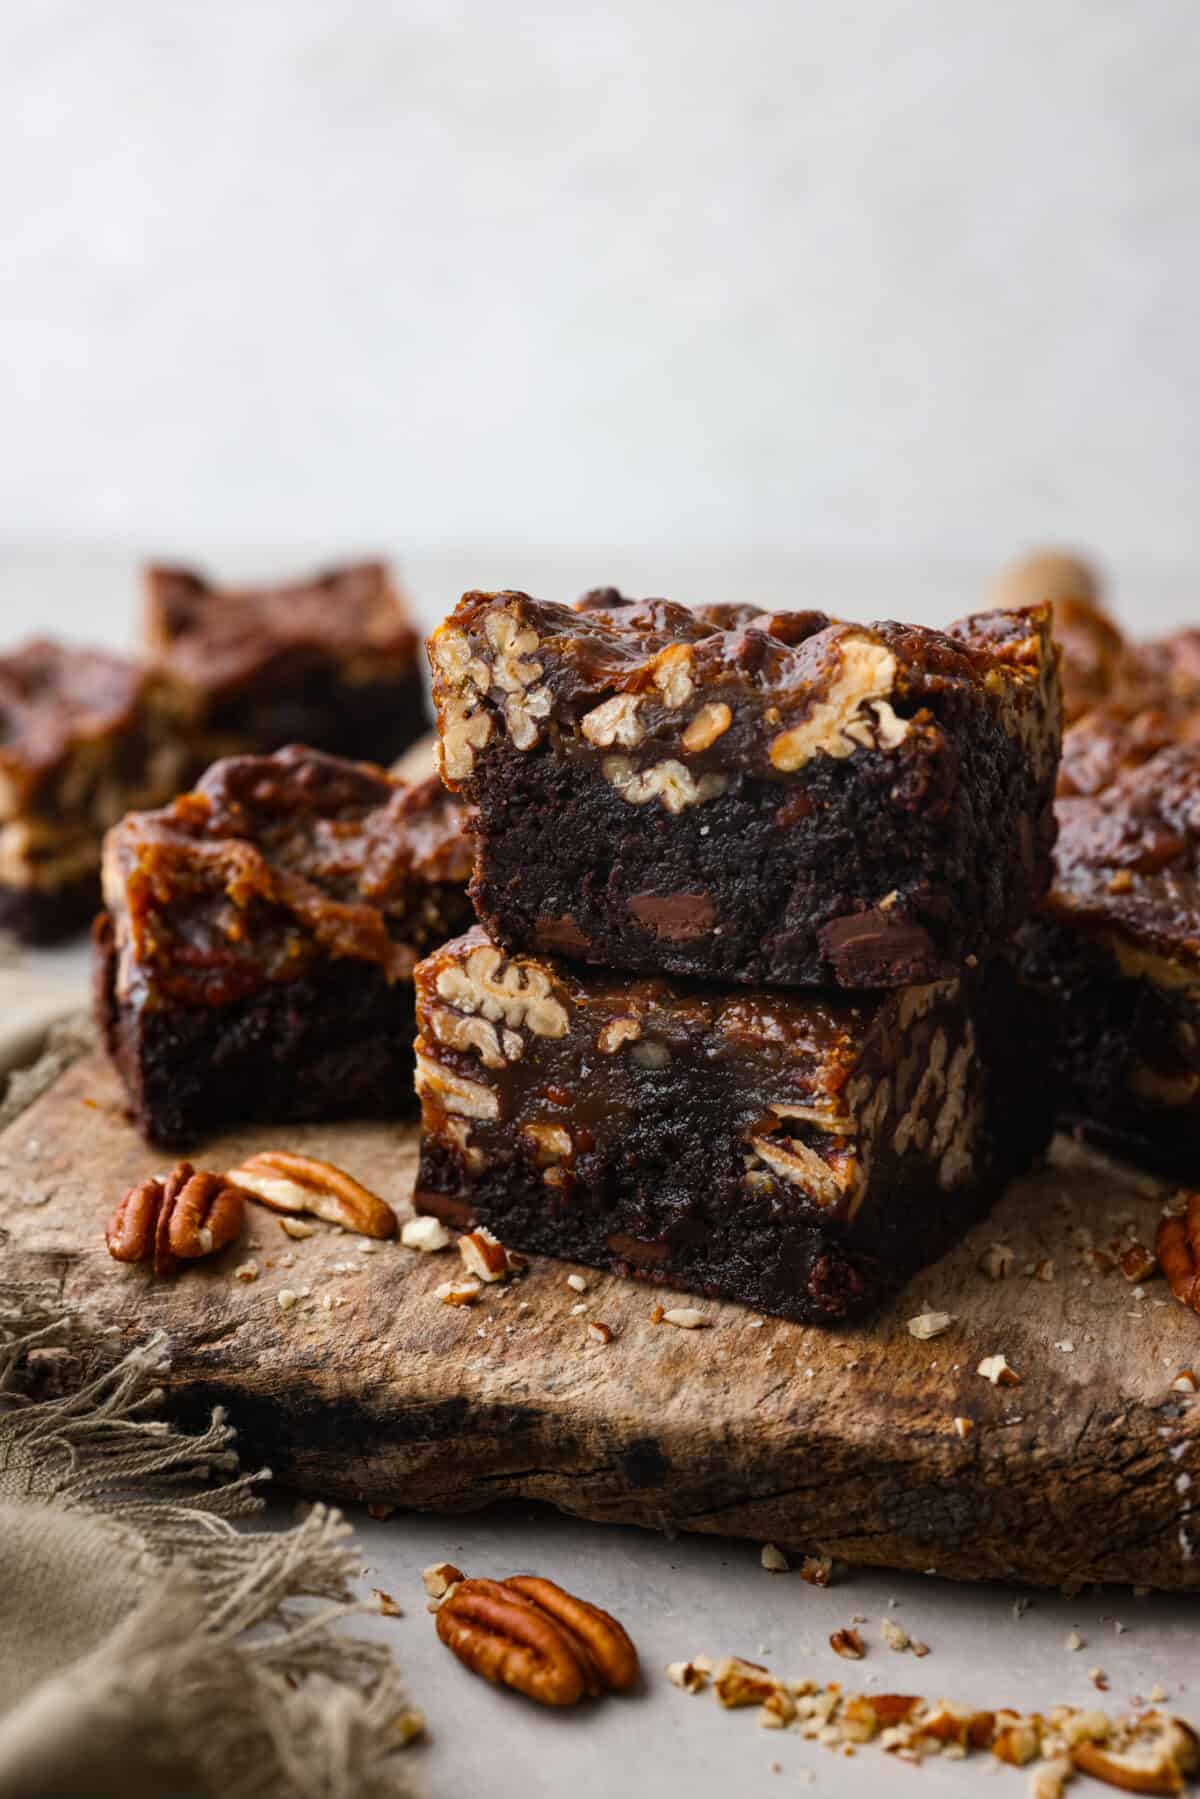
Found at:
<point>840,1441</point>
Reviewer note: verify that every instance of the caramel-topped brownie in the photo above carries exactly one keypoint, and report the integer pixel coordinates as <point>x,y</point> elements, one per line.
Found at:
<point>777,799</point>
<point>1114,954</point>
<point>256,958</point>
<point>331,661</point>
<point>801,1153</point>
<point>84,735</point>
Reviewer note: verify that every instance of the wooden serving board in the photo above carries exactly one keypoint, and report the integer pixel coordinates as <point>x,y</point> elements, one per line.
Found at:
<point>838,1441</point>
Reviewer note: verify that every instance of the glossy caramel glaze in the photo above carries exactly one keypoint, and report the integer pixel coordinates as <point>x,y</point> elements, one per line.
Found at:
<point>276,863</point>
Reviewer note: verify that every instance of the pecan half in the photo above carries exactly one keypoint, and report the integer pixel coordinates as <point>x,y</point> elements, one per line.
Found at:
<point>1177,1246</point>
<point>530,1635</point>
<point>190,1214</point>
<point>288,1183</point>
<point>596,1634</point>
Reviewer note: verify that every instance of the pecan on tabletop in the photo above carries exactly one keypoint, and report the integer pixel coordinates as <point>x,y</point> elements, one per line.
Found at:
<point>531,1635</point>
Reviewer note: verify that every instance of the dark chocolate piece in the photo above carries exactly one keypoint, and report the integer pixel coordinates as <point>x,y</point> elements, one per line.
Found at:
<point>801,1153</point>
<point>257,960</point>
<point>758,799</point>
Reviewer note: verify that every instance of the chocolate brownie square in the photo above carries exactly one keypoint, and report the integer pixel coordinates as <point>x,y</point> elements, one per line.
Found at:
<point>762,799</point>
<point>256,958</point>
<point>801,1153</point>
<point>332,661</point>
<point>84,735</point>
<point>1113,956</point>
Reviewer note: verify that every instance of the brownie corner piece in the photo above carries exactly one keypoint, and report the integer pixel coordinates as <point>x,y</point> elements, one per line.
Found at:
<point>802,1154</point>
<point>332,660</point>
<point>255,962</point>
<point>752,798</point>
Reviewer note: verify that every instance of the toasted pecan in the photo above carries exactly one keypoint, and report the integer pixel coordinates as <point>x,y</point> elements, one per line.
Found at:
<point>290,1183</point>
<point>192,1213</point>
<point>528,1634</point>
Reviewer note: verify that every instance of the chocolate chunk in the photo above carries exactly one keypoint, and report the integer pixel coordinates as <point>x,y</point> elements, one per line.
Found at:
<point>873,943</point>
<point>562,935</point>
<point>679,917</point>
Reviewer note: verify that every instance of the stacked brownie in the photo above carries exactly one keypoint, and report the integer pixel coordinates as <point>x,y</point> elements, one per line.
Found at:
<point>740,1016</point>
<point>85,736</point>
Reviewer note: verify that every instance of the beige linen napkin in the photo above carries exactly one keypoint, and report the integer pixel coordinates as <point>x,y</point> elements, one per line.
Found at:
<point>148,1647</point>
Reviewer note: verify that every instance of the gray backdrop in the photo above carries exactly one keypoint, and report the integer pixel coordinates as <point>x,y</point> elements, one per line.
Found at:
<point>893,281</point>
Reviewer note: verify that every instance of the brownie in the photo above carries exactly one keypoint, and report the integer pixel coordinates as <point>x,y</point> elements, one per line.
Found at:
<point>756,799</point>
<point>332,661</point>
<point>801,1153</point>
<point>256,958</point>
<point>1114,954</point>
<point>84,735</point>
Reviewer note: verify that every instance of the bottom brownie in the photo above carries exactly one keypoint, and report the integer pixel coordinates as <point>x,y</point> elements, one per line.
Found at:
<point>336,1043</point>
<point>803,1154</point>
<point>42,915</point>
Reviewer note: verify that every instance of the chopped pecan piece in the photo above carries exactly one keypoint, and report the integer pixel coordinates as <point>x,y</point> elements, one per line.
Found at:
<point>527,1633</point>
<point>1177,1246</point>
<point>190,1214</point>
<point>848,1643</point>
<point>1160,1758</point>
<point>288,1183</point>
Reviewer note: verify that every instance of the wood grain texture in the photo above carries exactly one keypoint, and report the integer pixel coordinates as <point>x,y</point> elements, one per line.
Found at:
<point>840,1441</point>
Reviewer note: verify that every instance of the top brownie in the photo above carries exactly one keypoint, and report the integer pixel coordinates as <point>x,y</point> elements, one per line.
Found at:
<point>331,661</point>
<point>761,798</point>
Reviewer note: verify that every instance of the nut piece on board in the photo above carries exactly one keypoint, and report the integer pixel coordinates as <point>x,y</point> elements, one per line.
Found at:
<point>190,1214</point>
<point>288,1183</point>
<point>528,1634</point>
<point>1177,1246</point>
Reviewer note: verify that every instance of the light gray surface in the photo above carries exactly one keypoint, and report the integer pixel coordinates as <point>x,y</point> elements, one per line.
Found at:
<point>899,276</point>
<point>690,1595</point>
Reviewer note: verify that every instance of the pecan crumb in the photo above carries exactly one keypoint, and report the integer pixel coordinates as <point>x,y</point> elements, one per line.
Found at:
<point>458,1293</point>
<point>848,1643</point>
<point>599,1332</point>
<point>773,1559</point>
<point>425,1233</point>
<point>484,1256</point>
<point>691,1676</point>
<point>685,1318</point>
<point>930,1324</point>
<point>997,1261</point>
<point>996,1369</point>
<point>297,1229</point>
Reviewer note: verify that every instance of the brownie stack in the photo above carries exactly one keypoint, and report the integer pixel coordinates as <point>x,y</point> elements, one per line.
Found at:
<point>739,1015</point>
